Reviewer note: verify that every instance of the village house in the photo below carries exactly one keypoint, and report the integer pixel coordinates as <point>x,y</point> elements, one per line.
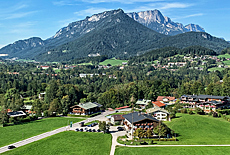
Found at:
<point>206,102</point>
<point>26,108</point>
<point>166,99</point>
<point>137,120</point>
<point>158,104</point>
<point>117,119</point>
<point>87,108</point>
<point>142,103</point>
<point>158,113</point>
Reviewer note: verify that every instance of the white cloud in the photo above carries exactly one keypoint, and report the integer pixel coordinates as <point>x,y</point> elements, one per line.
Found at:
<point>63,3</point>
<point>120,1</point>
<point>160,6</point>
<point>18,15</point>
<point>174,5</point>
<point>188,16</point>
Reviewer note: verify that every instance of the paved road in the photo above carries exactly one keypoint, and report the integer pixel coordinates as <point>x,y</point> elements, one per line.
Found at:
<point>170,145</point>
<point>50,133</point>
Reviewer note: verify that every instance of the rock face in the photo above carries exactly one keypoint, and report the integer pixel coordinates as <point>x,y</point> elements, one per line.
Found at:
<point>194,27</point>
<point>19,48</point>
<point>154,20</point>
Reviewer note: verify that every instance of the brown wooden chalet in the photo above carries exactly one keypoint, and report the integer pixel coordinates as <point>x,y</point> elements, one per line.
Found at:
<point>137,120</point>
<point>87,108</point>
<point>206,102</point>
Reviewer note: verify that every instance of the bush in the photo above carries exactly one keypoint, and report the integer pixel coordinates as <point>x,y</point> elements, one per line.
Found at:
<point>190,112</point>
<point>200,111</point>
<point>215,114</point>
<point>71,115</point>
<point>184,111</point>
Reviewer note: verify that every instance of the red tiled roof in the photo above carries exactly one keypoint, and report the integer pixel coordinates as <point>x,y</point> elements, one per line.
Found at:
<point>159,104</point>
<point>122,107</point>
<point>160,98</point>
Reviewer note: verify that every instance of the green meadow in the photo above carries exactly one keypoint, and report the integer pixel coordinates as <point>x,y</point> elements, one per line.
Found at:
<point>11,134</point>
<point>66,143</point>
<point>113,62</point>
<point>221,150</point>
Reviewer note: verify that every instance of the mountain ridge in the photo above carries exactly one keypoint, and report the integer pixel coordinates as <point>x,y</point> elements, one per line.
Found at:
<point>111,33</point>
<point>154,20</point>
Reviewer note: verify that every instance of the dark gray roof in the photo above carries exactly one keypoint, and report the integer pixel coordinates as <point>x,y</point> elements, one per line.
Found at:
<point>137,117</point>
<point>99,105</point>
<point>212,97</point>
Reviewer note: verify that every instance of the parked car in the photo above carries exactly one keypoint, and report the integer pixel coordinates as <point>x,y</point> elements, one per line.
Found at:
<point>11,147</point>
<point>86,129</point>
<point>95,123</point>
<point>93,130</point>
<point>77,129</point>
<point>89,130</point>
<point>120,128</point>
<point>98,130</point>
<point>81,130</point>
<point>90,125</point>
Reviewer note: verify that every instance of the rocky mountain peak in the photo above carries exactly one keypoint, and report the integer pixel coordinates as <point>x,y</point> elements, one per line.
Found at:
<point>194,27</point>
<point>154,20</point>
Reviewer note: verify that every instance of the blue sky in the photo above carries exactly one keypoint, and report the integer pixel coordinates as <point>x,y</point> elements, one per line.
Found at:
<point>22,19</point>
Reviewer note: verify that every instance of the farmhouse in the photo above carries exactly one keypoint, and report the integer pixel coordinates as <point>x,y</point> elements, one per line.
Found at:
<point>166,99</point>
<point>158,113</point>
<point>137,120</point>
<point>26,108</point>
<point>158,104</point>
<point>117,119</point>
<point>87,108</point>
<point>142,103</point>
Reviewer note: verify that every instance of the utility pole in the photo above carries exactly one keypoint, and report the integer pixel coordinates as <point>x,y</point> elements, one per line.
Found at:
<point>159,130</point>
<point>132,123</point>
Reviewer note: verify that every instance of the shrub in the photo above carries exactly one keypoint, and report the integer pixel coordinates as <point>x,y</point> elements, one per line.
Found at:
<point>71,115</point>
<point>190,112</point>
<point>184,111</point>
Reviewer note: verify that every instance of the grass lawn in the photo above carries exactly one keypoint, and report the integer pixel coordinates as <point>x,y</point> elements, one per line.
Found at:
<point>11,134</point>
<point>68,142</point>
<point>113,62</point>
<point>197,129</point>
<point>227,62</point>
<point>85,64</point>
<point>223,55</point>
<point>173,150</point>
<point>215,68</point>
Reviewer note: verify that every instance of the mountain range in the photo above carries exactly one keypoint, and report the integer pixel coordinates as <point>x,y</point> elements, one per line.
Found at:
<point>116,34</point>
<point>154,20</point>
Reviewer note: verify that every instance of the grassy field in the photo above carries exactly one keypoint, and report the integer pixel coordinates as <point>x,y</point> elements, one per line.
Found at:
<point>113,62</point>
<point>173,150</point>
<point>224,55</point>
<point>227,62</point>
<point>85,64</point>
<point>68,142</point>
<point>215,68</point>
<point>197,129</point>
<point>28,100</point>
<point>11,134</point>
